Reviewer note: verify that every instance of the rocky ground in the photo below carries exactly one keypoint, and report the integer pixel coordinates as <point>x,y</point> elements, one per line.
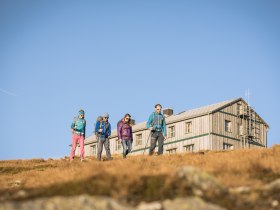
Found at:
<point>121,184</point>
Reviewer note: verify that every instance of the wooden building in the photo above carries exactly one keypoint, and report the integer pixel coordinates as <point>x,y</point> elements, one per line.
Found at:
<point>226,125</point>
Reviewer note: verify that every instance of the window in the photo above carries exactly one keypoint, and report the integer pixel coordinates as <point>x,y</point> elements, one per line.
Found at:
<point>227,125</point>
<point>188,127</point>
<point>239,111</point>
<point>94,149</point>
<point>189,148</point>
<point>227,146</point>
<point>118,145</point>
<point>239,129</point>
<point>171,131</point>
<point>171,151</point>
<point>138,139</point>
<point>260,133</point>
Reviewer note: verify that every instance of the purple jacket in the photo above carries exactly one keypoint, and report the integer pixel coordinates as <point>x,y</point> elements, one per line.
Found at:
<point>124,131</point>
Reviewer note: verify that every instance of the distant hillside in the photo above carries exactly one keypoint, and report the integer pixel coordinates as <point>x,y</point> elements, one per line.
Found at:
<point>243,179</point>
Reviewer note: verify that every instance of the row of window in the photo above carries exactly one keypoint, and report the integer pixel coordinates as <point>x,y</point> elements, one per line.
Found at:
<point>187,148</point>
<point>171,129</point>
<point>190,148</point>
<point>253,130</point>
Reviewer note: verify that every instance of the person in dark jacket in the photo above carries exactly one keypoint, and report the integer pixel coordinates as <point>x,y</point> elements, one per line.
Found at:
<point>156,123</point>
<point>103,132</point>
<point>125,134</point>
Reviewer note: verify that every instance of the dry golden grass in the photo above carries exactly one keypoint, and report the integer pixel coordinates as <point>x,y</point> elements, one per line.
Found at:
<point>254,168</point>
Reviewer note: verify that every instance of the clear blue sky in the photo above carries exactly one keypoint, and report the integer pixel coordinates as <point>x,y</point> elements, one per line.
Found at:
<point>124,56</point>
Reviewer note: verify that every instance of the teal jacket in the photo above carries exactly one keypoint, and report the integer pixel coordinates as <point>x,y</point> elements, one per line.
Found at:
<point>79,125</point>
<point>157,122</point>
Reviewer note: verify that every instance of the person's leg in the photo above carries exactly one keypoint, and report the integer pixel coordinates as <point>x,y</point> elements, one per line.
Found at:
<point>82,146</point>
<point>124,148</point>
<point>107,148</point>
<point>74,145</point>
<point>129,146</point>
<point>160,143</point>
<point>153,142</point>
<point>99,148</point>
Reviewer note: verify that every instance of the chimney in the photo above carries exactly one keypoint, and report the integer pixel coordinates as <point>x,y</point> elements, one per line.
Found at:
<point>132,122</point>
<point>167,112</point>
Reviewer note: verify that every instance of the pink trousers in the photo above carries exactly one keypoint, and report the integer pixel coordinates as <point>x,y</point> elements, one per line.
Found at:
<point>77,139</point>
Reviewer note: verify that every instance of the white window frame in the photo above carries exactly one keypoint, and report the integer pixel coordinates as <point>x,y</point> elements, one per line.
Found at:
<point>94,149</point>
<point>189,148</point>
<point>238,109</point>
<point>171,131</point>
<point>227,146</point>
<point>118,145</point>
<point>171,151</point>
<point>240,131</point>
<point>188,127</point>
<point>228,126</point>
<point>137,141</point>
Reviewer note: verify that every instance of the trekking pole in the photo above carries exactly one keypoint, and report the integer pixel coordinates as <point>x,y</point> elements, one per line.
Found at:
<point>147,142</point>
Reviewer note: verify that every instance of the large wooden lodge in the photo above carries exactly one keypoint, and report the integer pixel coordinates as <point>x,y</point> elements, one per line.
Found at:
<point>226,125</point>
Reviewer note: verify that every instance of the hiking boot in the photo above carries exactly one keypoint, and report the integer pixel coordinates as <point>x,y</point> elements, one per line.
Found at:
<point>151,153</point>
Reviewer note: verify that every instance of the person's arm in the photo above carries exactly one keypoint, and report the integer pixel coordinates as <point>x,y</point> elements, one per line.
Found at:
<point>149,122</point>
<point>84,128</point>
<point>131,134</point>
<point>109,130</point>
<point>164,127</point>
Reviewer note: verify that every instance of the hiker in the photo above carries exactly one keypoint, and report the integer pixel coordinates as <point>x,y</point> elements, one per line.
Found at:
<point>103,131</point>
<point>125,134</point>
<point>78,127</point>
<point>157,125</point>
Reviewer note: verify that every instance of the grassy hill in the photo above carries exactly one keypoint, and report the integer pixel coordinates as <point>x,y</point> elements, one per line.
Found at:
<point>243,174</point>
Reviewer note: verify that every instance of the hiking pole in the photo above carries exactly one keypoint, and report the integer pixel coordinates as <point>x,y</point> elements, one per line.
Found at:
<point>147,142</point>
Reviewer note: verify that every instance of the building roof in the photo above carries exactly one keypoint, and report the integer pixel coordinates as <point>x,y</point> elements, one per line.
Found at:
<point>189,114</point>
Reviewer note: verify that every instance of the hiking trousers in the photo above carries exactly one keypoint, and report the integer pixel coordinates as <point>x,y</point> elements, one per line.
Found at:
<point>76,138</point>
<point>103,141</point>
<point>156,137</point>
<point>127,146</point>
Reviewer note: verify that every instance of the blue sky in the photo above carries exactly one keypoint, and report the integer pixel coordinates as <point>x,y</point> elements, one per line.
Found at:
<point>124,56</point>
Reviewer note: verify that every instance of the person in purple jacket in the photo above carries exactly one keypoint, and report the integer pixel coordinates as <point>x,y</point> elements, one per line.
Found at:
<point>125,134</point>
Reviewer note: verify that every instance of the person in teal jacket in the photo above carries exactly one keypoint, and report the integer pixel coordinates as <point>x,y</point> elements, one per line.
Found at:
<point>156,123</point>
<point>78,127</point>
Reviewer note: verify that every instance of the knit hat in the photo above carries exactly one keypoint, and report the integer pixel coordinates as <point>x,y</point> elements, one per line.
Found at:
<point>81,112</point>
<point>106,115</point>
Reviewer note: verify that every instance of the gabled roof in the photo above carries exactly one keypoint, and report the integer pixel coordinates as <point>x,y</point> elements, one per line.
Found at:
<point>189,114</point>
<point>201,111</point>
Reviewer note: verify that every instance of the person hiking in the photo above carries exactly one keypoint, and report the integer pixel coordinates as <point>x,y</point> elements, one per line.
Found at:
<point>156,123</point>
<point>78,127</point>
<point>125,134</point>
<point>103,130</point>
